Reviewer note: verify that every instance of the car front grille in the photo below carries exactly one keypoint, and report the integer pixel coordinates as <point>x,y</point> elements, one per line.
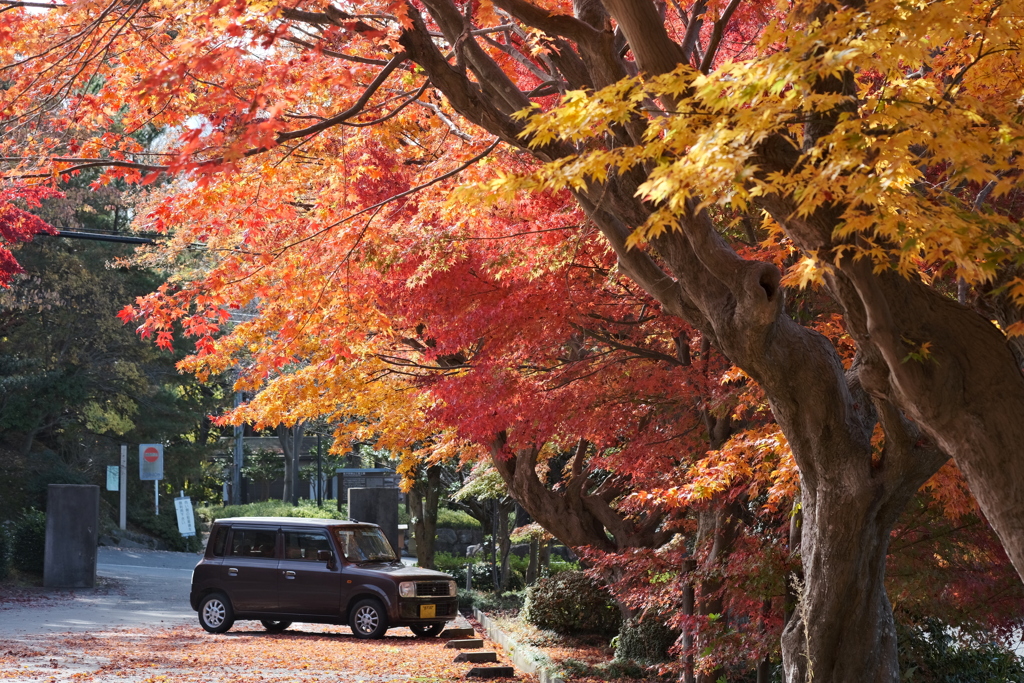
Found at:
<point>429,589</point>
<point>412,610</point>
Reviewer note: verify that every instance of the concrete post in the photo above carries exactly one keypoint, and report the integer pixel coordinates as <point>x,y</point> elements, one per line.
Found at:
<point>72,532</point>
<point>377,506</point>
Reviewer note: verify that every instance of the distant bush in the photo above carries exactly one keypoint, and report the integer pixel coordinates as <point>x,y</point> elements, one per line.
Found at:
<point>644,640</point>
<point>483,579</point>
<point>275,508</point>
<point>456,519</point>
<point>487,601</point>
<point>569,603</point>
<point>558,565</point>
<point>164,527</point>
<point>5,550</point>
<point>28,542</point>
<point>929,653</point>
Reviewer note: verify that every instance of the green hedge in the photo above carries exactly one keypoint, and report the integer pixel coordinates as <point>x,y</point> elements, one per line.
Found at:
<point>28,542</point>
<point>455,519</point>
<point>5,550</point>
<point>571,603</point>
<point>645,640</point>
<point>929,654</point>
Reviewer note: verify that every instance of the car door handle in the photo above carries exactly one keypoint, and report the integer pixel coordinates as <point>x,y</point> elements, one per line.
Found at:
<point>232,571</point>
<point>289,575</point>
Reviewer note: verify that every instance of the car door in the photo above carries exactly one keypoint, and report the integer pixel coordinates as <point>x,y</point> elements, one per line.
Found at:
<point>251,569</point>
<point>308,585</point>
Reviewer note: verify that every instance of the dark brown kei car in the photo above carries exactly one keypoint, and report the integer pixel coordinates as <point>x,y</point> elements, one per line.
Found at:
<point>281,570</point>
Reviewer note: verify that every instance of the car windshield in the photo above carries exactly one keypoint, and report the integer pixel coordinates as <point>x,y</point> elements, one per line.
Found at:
<point>365,544</point>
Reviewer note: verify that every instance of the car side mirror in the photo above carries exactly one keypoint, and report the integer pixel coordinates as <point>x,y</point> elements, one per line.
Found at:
<point>325,556</point>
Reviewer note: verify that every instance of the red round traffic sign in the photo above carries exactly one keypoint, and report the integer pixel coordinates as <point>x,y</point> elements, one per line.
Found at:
<point>151,454</point>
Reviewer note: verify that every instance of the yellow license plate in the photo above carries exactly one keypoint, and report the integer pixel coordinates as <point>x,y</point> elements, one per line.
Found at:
<point>428,611</point>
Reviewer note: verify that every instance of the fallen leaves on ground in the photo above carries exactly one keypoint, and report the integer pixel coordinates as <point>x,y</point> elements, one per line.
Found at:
<point>306,653</point>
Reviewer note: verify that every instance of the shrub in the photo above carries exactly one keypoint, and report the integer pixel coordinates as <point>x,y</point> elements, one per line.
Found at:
<point>456,519</point>
<point>5,551</point>
<point>929,653</point>
<point>274,508</point>
<point>487,601</point>
<point>645,640</point>
<point>28,542</point>
<point>558,565</point>
<point>571,602</point>
<point>165,527</point>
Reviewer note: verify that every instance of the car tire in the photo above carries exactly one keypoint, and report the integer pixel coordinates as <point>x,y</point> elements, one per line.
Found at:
<point>368,619</point>
<point>215,613</point>
<point>427,630</point>
<point>275,626</point>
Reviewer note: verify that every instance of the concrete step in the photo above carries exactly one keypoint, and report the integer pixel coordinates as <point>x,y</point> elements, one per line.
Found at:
<point>491,672</point>
<point>477,657</point>
<point>457,633</point>
<point>465,644</point>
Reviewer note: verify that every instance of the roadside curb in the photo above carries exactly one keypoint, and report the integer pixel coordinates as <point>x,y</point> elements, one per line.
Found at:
<point>524,657</point>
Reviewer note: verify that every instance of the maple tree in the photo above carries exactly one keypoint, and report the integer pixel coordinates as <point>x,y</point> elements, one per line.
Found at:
<point>874,146</point>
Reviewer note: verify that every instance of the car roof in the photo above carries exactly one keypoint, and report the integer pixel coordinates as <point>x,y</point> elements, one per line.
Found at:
<point>293,521</point>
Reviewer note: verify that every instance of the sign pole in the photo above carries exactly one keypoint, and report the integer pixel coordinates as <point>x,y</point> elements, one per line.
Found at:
<point>156,495</point>
<point>124,486</point>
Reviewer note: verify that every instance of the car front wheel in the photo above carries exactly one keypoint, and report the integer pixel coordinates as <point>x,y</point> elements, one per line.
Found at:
<point>368,619</point>
<point>215,613</point>
<point>275,626</point>
<point>427,630</point>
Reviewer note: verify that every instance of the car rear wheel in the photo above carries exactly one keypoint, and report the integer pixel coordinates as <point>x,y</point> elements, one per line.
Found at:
<point>427,630</point>
<point>215,613</point>
<point>275,626</point>
<point>368,619</point>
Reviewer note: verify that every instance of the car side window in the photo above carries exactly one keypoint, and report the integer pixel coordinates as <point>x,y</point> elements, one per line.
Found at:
<point>219,541</point>
<point>303,545</point>
<point>253,543</point>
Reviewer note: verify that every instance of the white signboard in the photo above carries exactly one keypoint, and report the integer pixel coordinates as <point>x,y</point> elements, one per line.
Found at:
<point>151,461</point>
<point>113,478</point>
<point>186,520</point>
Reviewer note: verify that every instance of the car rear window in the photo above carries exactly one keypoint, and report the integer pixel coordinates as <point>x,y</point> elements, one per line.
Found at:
<point>253,542</point>
<point>303,545</point>
<point>220,539</point>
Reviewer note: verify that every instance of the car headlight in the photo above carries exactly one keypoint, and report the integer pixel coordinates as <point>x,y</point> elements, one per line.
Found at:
<point>407,589</point>
<point>453,588</point>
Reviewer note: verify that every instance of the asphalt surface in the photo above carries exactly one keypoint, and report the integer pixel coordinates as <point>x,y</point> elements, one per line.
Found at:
<point>134,588</point>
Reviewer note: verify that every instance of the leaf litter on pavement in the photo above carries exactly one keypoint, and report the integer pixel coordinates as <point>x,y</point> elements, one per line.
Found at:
<point>306,653</point>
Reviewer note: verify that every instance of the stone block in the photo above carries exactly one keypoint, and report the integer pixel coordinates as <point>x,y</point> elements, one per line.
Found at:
<point>72,535</point>
<point>457,633</point>
<point>377,506</point>
<point>477,657</point>
<point>447,537</point>
<point>465,644</point>
<point>491,672</point>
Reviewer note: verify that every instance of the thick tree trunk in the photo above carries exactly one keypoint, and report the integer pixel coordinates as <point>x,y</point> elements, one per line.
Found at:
<point>423,501</point>
<point>504,546</point>
<point>842,629</point>
<point>291,444</point>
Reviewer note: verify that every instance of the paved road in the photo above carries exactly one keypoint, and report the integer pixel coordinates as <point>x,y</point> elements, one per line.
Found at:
<point>135,588</point>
